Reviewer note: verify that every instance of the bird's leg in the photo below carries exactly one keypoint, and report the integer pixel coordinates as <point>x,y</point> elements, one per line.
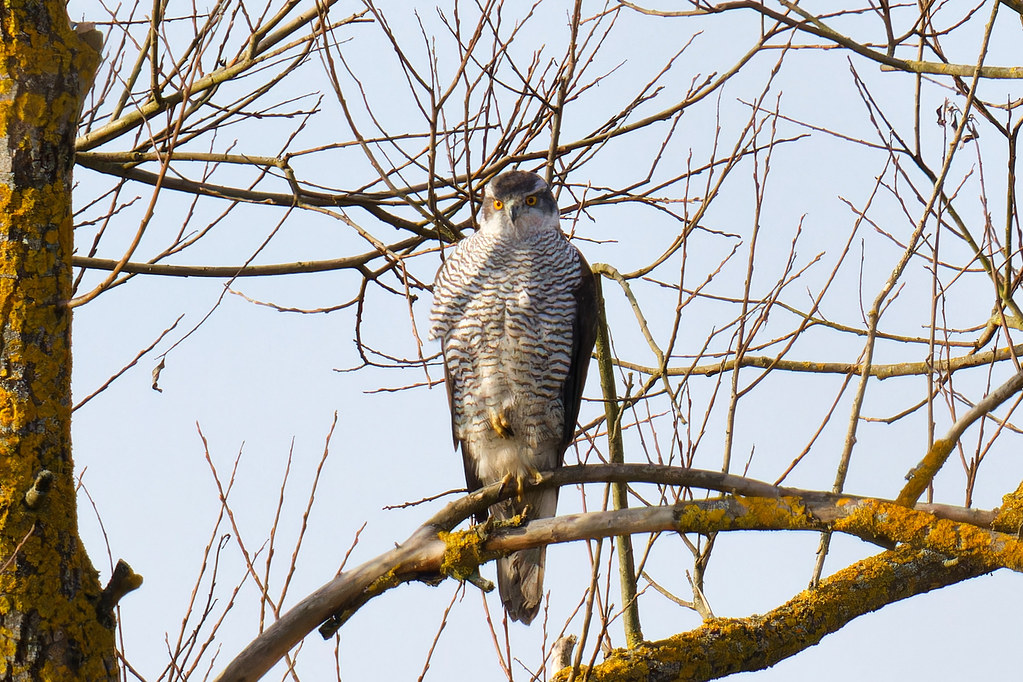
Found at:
<point>520,487</point>
<point>507,481</point>
<point>499,423</point>
<point>532,475</point>
<point>511,479</point>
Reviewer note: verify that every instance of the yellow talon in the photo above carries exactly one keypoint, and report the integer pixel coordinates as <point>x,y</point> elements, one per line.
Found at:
<point>519,483</point>
<point>533,476</point>
<point>500,424</point>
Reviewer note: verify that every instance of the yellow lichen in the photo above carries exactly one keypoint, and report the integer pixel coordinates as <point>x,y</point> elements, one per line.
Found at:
<point>463,553</point>
<point>924,531</point>
<point>55,581</point>
<point>727,645</point>
<point>1010,515</point>
<point>384,582</point>
<point>738,513</point>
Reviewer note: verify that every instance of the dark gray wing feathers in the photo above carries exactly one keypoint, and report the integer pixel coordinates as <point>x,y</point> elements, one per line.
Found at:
<point>584,333</point>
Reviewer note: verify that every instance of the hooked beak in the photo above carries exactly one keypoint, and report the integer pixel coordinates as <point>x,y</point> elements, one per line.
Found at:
<point>515,210</point>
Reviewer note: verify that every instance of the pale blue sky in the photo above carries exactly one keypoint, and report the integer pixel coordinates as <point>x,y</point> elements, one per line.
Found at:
<point>257,381</point>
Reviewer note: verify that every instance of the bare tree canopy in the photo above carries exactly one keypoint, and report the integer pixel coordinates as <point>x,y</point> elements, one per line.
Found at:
<point>804,224</point>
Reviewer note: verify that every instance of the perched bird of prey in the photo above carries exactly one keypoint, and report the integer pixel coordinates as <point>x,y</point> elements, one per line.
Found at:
<point>514,308</point>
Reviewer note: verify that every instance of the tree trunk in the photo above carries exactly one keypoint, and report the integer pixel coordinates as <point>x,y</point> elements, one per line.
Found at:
<point>50,628</point>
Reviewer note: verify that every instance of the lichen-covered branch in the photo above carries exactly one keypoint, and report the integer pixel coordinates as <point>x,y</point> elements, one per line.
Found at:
<point>729,645</point>
<point>922,475</point>
<point>431,553</point>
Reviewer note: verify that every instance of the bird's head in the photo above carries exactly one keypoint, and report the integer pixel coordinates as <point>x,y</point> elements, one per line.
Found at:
<point>519,203</point>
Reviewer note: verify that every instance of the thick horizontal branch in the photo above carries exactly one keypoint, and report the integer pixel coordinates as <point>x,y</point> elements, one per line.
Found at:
<point>432,551</point>
<point>867,518</point>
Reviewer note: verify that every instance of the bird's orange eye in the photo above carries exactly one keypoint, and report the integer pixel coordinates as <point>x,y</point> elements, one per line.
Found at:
<point>530,201</point>
<point>498,204</point>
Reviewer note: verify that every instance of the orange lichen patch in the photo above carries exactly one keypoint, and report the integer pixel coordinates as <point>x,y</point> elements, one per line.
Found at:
<point>785,513</point>
<point>30,109</point>
<point>32,52</point>
<point>383,583</point>
<point>47,206</point>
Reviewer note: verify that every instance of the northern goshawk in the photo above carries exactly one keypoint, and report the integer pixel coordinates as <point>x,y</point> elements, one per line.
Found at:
<point>514,308</point>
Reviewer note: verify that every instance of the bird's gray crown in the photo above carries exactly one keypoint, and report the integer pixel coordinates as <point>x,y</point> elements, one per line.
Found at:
<point>515,184</point>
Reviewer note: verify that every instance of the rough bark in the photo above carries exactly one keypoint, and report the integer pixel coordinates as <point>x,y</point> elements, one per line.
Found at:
<point>49,625</point>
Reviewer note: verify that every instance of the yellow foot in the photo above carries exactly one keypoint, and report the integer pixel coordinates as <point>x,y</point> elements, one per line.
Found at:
<point>532,476</point>
<point>535,476</point>
<point>500,424</point>
<point>509,479</point>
